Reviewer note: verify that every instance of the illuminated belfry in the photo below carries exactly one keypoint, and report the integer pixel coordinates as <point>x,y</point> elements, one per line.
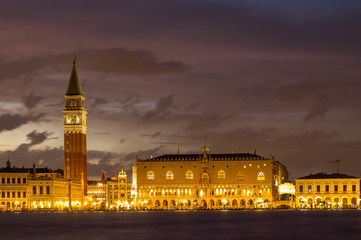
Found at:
<point>75,150</point>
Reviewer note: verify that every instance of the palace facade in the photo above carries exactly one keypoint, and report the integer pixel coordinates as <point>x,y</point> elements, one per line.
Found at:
<point>208,181</point>
<point>324,190</point>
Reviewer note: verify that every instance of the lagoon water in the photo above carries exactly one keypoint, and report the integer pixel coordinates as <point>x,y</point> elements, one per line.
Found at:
<point>265,225</point>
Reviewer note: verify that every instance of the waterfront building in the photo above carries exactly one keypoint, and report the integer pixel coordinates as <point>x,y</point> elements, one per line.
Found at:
<point>119,192</point>
<point>324,190</point>
<point>75,147</point>
<point>96,191</point>
<point>37,188</point>
<point>208,181</point>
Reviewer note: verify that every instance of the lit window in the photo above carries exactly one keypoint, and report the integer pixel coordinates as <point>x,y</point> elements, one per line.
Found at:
<point>240,176</point>
<point>309,188</point>
<point>189,174</point>
<point>221,174</point>
<point>260,176</point>
<point>169,175</point>
<point>150,175</point>
<point>205,177</point>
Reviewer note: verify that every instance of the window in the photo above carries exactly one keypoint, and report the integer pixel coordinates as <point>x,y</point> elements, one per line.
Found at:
<point>19,194</point>
<point>335,188</point>
<point>344,188</point>
<point>353,188</point>
<point>318,188</point>
<point>261,176</point>
<point>301,188</point>
<point>309,188</point>
<point>19,180</point>
<point>221,174</point>
<point>47,190</point>
<point>24,180</point>
<point>327,188</point>
<point>41,190</point>
<point>3,194</point>
<point>3,180</point>
<point>24,194</point>
<point>169,175</point>
<point>150,175</point>
<point>205,177</point>
<point>34,190</point>
<point>240,176</point>
<point>8,180</point>
<point>13,180</point>
<point>13,194</point>
<point>189,174</point>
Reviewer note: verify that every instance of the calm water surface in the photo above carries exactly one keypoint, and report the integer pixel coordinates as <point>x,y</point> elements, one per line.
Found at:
<point>288,224</point>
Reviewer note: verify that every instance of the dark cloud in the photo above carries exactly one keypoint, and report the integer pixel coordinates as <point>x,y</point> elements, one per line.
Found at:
<point>35,138</point>
<point>207,121</point>
<point>115,60</point>
<point>102,133</point>
<point>154,135</point>
<point>163,109</point>
<point>13,121</point>
<point>31,101</point>
<point>112,163</point>
<point>188,69</point>
<point>23,155</point>
<point>98,101</point>
<point>317,98</point>
<point>124,61</point>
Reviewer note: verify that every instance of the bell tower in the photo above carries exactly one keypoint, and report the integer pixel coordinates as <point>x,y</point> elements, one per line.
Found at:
<point>75,150</point>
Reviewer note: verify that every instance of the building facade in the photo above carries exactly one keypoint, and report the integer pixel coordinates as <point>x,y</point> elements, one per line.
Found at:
<point>119,194</point>
<point>37,188</point>
<point>75,146</point>
<point>328,191</point>
<point>208,181</point>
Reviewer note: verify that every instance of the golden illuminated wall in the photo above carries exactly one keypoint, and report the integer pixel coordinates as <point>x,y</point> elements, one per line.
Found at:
<point>53,193</point>
<point>13,188</point>
<point>226,182</point>
<point>119,192</point>
<point>24,190</point>
<point>313,193</point>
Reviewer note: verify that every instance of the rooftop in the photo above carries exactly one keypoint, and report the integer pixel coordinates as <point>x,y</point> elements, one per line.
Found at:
<point>214,157</point>
<point>326,176</point>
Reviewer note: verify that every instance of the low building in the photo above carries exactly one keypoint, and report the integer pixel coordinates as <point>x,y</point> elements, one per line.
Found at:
<point>208,181</point>
<point>97,194</point>
<point>323,190</point>
<point>37,188</point>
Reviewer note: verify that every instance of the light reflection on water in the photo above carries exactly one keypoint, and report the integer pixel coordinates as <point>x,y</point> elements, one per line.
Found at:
<point>288,224</point>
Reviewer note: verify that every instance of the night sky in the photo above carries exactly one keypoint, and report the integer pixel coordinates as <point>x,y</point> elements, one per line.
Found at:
<point>280,77</point>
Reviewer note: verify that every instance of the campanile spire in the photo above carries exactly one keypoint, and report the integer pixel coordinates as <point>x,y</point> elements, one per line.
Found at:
<point>75,149</point>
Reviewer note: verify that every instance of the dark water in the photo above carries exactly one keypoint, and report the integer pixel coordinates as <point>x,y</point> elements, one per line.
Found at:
<point>288,224</point>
